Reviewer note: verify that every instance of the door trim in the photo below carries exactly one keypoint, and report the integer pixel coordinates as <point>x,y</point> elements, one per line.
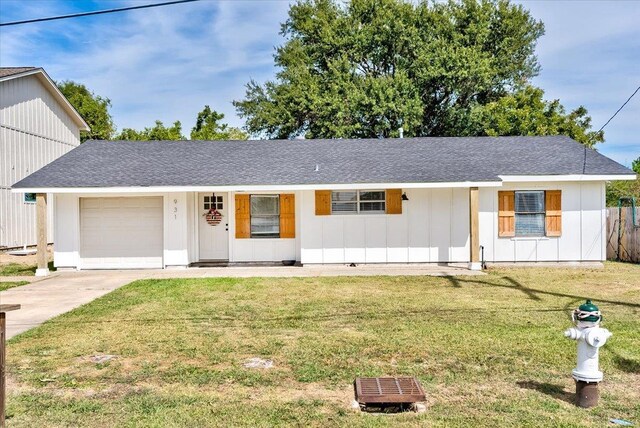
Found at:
<point>196,220</point>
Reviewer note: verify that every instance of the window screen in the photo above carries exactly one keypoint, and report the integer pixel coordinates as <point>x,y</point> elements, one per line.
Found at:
<point>265,216</point>
<point>358,201</point>
<point>529,212</point>
<point>372,201</point>
<point>344,202</point>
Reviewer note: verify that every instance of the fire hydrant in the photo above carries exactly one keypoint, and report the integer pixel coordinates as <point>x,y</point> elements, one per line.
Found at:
<point>590,338</point>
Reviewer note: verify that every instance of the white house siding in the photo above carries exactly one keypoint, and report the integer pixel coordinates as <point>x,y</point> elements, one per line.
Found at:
<point>263,249</point>
<point>433,227</point>
<point>583,226</point>
<point>34,130</point>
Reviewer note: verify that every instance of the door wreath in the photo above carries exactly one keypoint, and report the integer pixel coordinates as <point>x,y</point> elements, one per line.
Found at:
<point>213,217</point>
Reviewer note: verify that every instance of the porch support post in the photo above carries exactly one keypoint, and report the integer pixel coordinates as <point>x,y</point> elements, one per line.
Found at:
<point>41,216</point>
<point>474,232</point>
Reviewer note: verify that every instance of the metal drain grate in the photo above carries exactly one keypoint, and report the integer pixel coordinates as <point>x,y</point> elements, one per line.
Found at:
<point>388,390</point>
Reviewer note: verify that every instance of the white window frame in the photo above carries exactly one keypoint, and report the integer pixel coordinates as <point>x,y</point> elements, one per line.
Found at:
<point>253,235</point>
<point>358,201</point>
<point>24,198</point>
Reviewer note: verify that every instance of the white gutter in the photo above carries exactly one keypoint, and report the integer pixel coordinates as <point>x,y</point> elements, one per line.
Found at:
<point>570,177</point>
<point>257,188</point>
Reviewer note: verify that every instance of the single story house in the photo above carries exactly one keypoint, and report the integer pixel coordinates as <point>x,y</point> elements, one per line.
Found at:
<point>37,125</point>
<point>166,204</point>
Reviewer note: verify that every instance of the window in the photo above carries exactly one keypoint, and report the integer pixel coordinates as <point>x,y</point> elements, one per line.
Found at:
<point>30,198</point>
<point>213,202</point>
<point>358,202</point>
<point>530,213</point>
<point>265,216</point>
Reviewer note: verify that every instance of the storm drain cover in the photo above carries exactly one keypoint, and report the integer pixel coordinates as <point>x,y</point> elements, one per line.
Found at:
<point>388,390</point>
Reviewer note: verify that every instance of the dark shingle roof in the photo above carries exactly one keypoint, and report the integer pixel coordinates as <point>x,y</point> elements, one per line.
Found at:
<point>289,162</point>
<point>9,71</point>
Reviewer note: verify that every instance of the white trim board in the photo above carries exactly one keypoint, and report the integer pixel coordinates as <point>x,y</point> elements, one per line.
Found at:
<point>569,177</point>
<point>257,188</point>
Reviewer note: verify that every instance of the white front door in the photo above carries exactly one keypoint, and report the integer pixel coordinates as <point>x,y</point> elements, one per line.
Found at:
<point>214,238</point>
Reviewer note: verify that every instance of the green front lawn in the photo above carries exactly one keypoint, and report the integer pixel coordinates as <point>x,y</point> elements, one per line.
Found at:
<point>21,269</point>
<point>489,351</point>
<point>17,269</point>
<point>10,284</point>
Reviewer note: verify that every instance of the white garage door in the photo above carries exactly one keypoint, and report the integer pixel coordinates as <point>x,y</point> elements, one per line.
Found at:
<point>121,233</point>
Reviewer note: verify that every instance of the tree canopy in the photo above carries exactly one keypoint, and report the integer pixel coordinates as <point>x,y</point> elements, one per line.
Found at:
<point>209,127</point>
<point>368,67</point>
<point>93,108</point>
<point>525,112</point>
<point>156,132</point>
<point>625,189</point>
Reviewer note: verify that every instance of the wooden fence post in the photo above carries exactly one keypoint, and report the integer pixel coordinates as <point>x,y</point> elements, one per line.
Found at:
<point>41,216</point>
<point>3,335</point>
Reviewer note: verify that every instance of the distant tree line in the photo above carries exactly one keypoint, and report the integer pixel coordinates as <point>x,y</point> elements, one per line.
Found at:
<point>95,111</point>
<point>624,189</point>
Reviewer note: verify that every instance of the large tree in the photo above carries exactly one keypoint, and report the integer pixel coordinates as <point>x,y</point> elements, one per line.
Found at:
<point>93,108</point>
<point>209,127</point>
<point>527,113</point>
<point>156,132</point>
<point>369,67</point>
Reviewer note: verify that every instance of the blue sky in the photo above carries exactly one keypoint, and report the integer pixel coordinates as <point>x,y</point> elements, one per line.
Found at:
<point>167,63</point>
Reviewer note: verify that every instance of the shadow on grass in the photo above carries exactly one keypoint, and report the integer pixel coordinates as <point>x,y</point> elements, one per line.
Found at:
<point>625,364</point>
<point>556,391</point>
<point>532,293</point>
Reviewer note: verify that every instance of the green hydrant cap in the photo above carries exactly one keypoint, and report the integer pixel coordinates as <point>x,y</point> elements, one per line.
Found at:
<point>590,307</point>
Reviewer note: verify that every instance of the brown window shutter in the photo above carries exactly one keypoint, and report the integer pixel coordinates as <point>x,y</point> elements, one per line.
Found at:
<point>288,215</point>
<point>243,216</point>
<point>506,213</point>
<point>553,215</point>
<point>323,202</point>
<point>393,201</point>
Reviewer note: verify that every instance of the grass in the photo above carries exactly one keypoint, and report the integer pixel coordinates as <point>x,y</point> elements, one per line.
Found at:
<point>11,284</point>
<point>21,269</point>
<point>17,269</point>
<point>489,351</point>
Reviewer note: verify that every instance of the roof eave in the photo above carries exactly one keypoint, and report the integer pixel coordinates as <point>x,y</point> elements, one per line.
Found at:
<point>256,188</point>
<point>565,177</point>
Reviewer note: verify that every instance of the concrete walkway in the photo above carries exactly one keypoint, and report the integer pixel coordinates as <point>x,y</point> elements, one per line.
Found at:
<point>61,292</point>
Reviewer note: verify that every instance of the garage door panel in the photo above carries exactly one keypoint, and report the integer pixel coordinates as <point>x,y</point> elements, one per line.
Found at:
<point>121,232</point>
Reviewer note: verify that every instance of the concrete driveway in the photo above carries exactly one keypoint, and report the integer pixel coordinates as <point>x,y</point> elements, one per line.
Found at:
<point>61,292</point>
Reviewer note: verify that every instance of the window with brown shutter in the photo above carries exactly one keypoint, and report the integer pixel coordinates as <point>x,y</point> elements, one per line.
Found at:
<point>243,216</point>
<point>506,213</point>
<point>394,201</point>
<point>288,216</point>
<point>530,213</point>
<point>553,212</point>
<point>323,202</point>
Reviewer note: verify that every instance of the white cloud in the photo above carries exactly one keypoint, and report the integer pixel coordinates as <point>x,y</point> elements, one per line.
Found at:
<point>163,63</point>
<point>590,56</point>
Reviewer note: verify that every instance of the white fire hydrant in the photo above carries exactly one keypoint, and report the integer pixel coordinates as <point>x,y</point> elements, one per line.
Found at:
<point>590,337</point>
